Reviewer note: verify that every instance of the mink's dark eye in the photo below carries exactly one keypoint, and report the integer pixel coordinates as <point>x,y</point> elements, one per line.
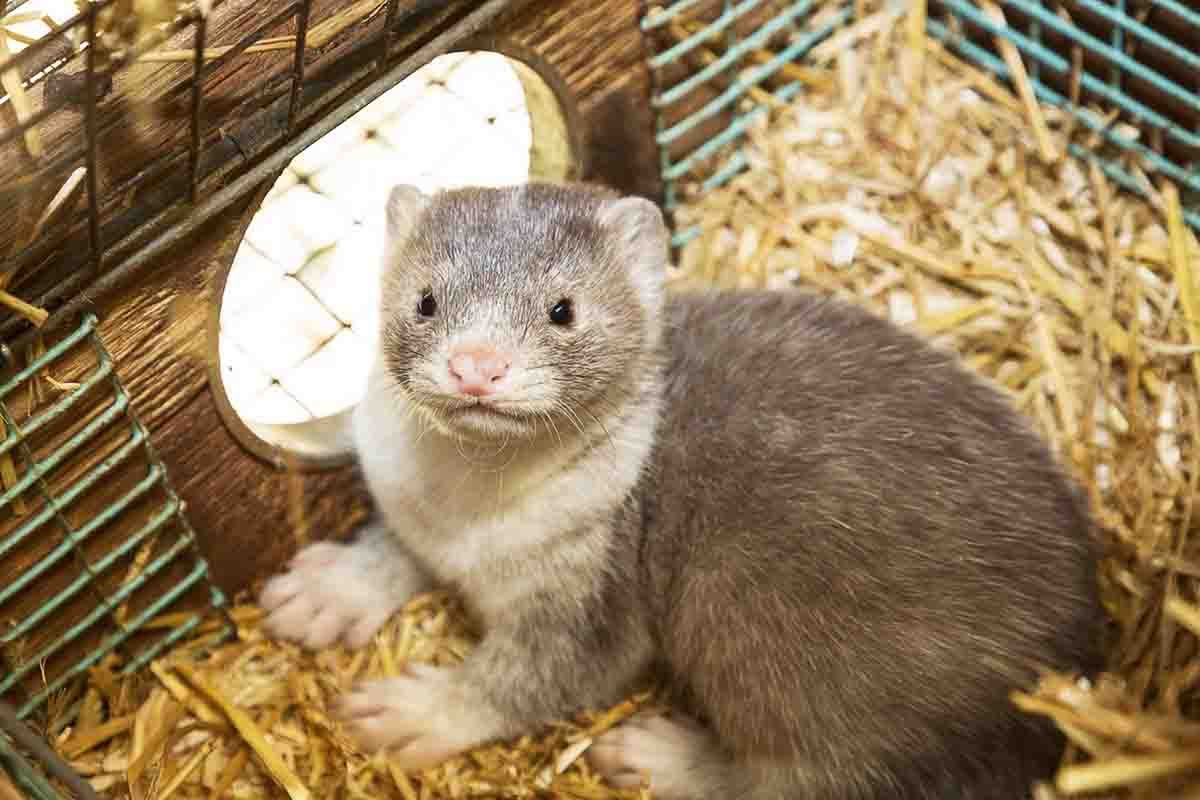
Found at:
<point>562,313</point>
<point>428,305</point>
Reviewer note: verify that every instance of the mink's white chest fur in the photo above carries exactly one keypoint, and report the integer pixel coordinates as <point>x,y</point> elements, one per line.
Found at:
<point>497,522</point>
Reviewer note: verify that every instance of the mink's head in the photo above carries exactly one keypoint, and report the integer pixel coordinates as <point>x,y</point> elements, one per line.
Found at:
<point>516,311</point>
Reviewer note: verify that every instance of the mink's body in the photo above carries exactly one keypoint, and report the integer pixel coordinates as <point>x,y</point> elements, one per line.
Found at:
<point>856,551</point>
<point>839,549</point>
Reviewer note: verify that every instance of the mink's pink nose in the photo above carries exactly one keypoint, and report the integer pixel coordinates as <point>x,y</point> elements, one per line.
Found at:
<point>477,370</point>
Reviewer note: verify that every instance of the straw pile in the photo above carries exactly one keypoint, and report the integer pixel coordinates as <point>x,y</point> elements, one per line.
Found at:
<point>907,181</point>
<point>913,184</point>
<point>250,719</point>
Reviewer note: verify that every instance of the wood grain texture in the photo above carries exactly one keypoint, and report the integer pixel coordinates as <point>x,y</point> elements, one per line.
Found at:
<point>596,47</point>
<point>158,334</point>
<point>598,52</point>
<point>119,539</point>
<point>238,505</point>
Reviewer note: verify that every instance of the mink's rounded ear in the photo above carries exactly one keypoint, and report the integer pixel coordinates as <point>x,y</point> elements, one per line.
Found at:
<point>641,235</point>
<point>635,220</point>
<point>404,206</point>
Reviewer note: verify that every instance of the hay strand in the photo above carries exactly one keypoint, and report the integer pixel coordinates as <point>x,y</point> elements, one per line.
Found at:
<point>61,205</point>
<point>94,737</point>
<point>8,791</point>
<point>14,87</point>
<point>917,45</point>
<point>936,207</point>
<point>250,732</point>
<point>1117,772</point>
<point>1016,66</point>
<point>1181,263</point>
<point>37,316</point>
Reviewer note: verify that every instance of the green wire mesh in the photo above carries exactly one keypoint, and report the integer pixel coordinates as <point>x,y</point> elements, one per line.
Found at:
<point>25,776</point>
<point>1139,64</point>
<point>703,111</point>
<point>94,544</point>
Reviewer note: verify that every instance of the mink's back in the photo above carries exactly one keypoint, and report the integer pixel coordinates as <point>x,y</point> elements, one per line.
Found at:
<point>855,549</point>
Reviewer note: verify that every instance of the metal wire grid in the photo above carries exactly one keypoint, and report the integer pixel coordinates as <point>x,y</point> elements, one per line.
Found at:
<point>1152,60</point>
<point>84,26</point>
<point>1172,149</point>
<point>269,383</point>
<point>311,251</point>
<point>731,106</point>
<point>118,242</point>
<point>60,545</point>
<point>26,777</point>
<point>19,744</point>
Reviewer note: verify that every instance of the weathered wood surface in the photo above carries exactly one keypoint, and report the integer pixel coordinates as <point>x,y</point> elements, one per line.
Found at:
<point>142,149</point>
<point>122,526</point>
<point>600,54</point>
<point>158,334</point>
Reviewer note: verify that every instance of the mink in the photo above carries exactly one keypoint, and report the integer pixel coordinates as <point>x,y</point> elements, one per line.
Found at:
<point>835,547</point>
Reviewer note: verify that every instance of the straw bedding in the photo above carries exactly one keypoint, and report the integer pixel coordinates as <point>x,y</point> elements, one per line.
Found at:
<point>907,181</point>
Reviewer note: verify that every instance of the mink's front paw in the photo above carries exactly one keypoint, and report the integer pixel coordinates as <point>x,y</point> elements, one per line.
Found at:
<point>673,755</point>
<point>337,591</point>
<point>418,717</point>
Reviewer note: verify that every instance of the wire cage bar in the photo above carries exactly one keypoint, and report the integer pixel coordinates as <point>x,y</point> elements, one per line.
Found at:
<point>85,498</point>
<point>1105,63</point>
<point>704,102</point>
<point>88,517</point>
<point>15,736</point>
<point>341,57</point>
<point>98,562</point>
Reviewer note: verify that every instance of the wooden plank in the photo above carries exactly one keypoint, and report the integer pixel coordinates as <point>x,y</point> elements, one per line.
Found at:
<point>159,334</point>
<point>85,533</point>
<point>598,52</point>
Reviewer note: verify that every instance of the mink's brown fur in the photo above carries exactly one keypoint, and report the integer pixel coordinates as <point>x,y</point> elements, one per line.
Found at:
<point>854,550</point>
